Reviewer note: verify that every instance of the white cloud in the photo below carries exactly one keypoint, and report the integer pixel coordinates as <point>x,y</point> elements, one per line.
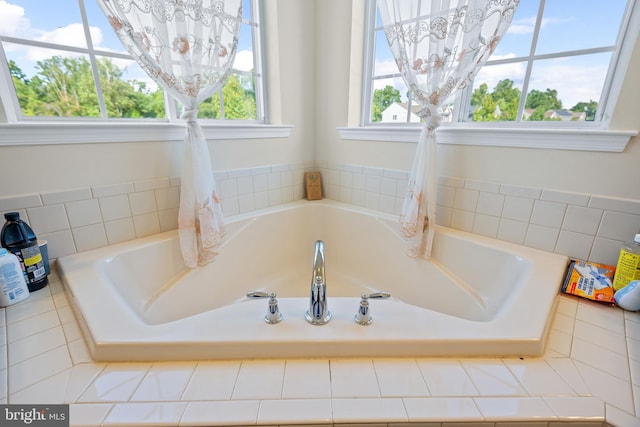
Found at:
<point>386,67</point>
<point>71,35</point>
<point>243,60</point>
<point>522,26</point>
<point>527,25</point>
<point>492,74</point>
<point>389,67</point>
<point>13,21</point>
<point>573,81</point>
<point>577,84</point>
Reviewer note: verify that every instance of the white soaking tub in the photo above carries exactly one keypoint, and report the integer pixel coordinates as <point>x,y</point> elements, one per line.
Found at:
<point>475,297</point>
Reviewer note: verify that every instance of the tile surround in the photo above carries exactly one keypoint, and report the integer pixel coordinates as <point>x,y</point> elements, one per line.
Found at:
<point>81,219</point>
<point>44,358</point>
<point>575,383</point>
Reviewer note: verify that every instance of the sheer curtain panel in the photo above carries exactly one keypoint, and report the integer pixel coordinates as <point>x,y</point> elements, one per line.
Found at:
<point>439,46</point>
<point>188,48</point>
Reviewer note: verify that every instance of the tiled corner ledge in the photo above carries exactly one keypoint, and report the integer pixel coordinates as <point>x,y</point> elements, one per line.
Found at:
<point>589,376</point>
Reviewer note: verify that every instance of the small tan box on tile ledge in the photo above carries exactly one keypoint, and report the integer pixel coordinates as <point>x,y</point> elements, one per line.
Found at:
<point>313,185</point>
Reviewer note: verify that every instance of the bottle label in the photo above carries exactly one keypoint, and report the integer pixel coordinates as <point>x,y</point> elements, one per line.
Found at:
<point>628,269</point>
<point>13,287</point>
<point>33,260</point>
<point>32,263</point>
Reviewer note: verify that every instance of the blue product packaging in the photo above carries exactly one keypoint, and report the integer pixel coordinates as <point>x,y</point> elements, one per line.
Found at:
<point>629,296</point>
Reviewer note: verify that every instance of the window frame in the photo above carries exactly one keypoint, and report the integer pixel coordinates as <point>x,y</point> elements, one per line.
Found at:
<point>589,136</point>
<point>16,129</point>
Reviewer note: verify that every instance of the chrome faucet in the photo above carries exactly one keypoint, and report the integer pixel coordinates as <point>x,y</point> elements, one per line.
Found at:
<point>363,316</point>
<point>273,315</point>
<point>318,314</point>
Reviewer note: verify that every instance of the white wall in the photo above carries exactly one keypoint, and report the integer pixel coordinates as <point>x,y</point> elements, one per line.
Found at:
<point>610,174</point>
<point>312,57</point>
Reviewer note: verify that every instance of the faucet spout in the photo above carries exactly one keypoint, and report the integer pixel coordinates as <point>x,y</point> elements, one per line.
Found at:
<point>318,313</point>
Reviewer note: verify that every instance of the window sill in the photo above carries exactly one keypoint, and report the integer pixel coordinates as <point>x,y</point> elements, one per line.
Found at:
<point>559,139</point>
<point>49,133</point>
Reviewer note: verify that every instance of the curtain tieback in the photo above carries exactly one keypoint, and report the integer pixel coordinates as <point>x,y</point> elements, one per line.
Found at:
<point>189,115</point>
<point>434,121</point>
<point>431,115</point>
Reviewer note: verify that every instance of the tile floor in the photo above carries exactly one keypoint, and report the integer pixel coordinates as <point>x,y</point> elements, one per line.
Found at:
<point>589,376</point>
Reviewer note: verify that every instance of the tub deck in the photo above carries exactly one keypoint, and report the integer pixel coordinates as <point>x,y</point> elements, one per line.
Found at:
<point>500,306</point>
<point>568,384</point>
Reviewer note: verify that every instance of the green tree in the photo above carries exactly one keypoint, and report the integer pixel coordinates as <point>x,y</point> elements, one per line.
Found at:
<point>541,102</point>
<point>119,96</point>
<point>479,94</point>
<point>382,98</point>
<point>146,103</point>
<point>27,97</point>
<point>539,114</point>
<point>66,87</point>
<point>484,107</point>
<point>238,104</point>
<point>508,98</point>
<point>499,105</point>
<point>128,99</point>
<point>239,101</point>
<point>589,108</point>
<point>210,108</point>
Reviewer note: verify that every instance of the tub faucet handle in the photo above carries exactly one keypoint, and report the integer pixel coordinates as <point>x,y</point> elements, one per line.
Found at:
<point>273,315</point>
<point>363,316</point>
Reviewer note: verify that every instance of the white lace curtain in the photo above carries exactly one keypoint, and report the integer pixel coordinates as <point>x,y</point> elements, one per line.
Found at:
<point>439,46</point>
<point>188,48</point>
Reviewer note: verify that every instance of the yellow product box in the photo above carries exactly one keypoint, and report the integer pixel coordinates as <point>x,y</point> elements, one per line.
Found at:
<point>590,280</point>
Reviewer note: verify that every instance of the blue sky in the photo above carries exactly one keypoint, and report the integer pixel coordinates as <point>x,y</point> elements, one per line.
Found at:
<point>566,25</point>
<point>59,21</point>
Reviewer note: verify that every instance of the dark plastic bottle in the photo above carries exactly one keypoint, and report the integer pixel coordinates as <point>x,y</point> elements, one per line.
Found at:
<point>21,241</point>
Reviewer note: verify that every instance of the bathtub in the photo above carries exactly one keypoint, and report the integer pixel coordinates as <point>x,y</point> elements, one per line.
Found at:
<point>136,301</point>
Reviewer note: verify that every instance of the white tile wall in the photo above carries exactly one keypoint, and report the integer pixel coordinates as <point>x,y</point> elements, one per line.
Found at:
<point>591,369</point>
<point>115,207</point>
<point>549,214</point>
<point>317,374</point>
<point>583,226</point>
<point>81,219</point>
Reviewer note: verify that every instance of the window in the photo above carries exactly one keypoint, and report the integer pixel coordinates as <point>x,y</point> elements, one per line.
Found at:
<point>555,65</point>
<point>61,60</point>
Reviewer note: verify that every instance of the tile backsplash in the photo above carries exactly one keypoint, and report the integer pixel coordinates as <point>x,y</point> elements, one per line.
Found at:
<point>80,219</point>
<point>579,225</point>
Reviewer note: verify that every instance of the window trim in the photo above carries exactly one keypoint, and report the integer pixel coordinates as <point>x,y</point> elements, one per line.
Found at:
<point>560,139</point>
<point>584,136</point>
<point>48,133</point>
<point>17,130</point>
